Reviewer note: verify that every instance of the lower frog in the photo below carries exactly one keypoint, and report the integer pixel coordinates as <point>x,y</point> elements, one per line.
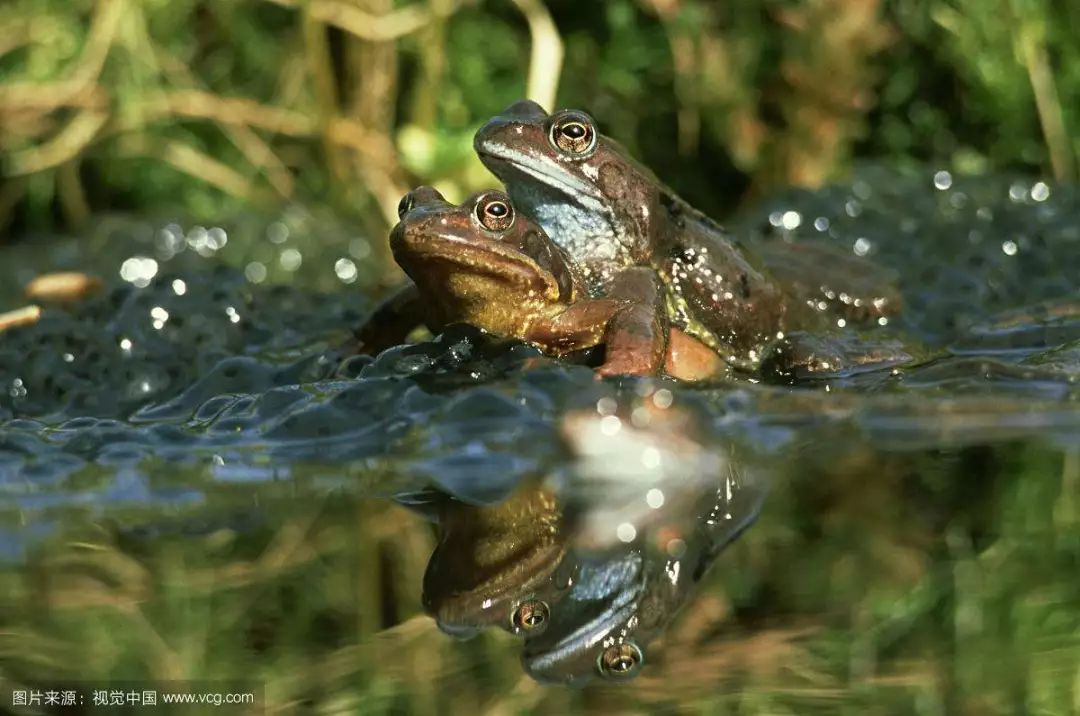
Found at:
<point>501,565</point>
<point>483,263</point>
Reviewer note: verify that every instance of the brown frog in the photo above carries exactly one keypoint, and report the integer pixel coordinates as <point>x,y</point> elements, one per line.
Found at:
<point>612,214</point>
<point>485,264</point>
<point>498,566</point>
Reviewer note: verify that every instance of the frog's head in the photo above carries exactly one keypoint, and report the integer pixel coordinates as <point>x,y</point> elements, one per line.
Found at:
<point>479,262</point>
<point>500,565</point>
<point>595,631</point>
<point>574,180</point>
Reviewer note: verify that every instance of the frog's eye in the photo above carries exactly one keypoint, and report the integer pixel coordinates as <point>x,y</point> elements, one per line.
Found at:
<point>405,205</point>
<point>495,213</point>
<point>573,134</point>
<point>529,617</point>
<point>620,661</point>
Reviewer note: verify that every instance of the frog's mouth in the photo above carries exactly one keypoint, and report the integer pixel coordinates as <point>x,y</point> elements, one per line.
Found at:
<point>475,257</point>
<point>503,161</point>
<point>573,655</point>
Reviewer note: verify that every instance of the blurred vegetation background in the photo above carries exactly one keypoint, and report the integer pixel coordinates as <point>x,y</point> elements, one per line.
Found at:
<point>212,106</point>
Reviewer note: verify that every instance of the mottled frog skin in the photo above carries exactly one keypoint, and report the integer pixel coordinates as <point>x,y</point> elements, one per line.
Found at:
<point>610,213</point>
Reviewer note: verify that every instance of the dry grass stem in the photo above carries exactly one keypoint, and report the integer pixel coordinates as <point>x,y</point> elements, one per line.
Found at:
<point>546,53</point>
<point>74,138</point>
<point>1047,102</point>
<point>62,286</point>
<point>376,28</point>
<point>25,316</point>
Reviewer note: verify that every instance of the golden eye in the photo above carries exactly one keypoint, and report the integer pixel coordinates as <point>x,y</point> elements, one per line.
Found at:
<point>495,213</point>
<point>574,135</point>
<point>405,205</point>
<point>620,661</point>
<point>529,617</point>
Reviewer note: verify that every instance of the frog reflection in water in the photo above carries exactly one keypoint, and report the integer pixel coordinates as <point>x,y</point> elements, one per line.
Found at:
<point>611,214</point>
<point>497,566</point>
<point>550,565</point>
<point>484,264</point>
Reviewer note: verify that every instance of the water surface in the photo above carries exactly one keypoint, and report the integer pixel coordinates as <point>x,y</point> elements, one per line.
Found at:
<point>198,482</point>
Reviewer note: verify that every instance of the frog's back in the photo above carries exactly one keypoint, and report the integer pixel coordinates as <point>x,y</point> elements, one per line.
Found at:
<point>717,291</point>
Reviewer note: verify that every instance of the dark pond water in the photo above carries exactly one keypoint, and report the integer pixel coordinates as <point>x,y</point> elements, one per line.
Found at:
<point>198,482</point>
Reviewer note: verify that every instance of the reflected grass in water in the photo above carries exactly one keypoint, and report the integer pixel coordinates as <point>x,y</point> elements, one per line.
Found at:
<point>850,594</point>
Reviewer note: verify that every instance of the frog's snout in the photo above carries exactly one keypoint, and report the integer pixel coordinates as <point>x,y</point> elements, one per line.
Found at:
<point>524,110</point>
<point>519,113</point>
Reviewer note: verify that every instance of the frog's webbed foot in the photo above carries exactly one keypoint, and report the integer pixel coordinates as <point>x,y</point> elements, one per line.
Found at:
<point>391,321</point>
<point>803,356</point>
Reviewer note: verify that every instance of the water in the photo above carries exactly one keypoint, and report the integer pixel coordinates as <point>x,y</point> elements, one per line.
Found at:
<point>199,482</point>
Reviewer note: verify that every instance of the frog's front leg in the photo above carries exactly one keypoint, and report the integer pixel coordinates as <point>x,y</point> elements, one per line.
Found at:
<point>628,322</point>
<point>391,321</point>
<point>636,339</point>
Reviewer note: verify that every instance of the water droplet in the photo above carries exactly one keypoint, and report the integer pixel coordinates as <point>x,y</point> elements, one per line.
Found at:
<point>654,498</point>
<point>17,389</point>
<point>1040,192</point>
<point>606,406</point>
<point>345,270</point>
<point>277,233</point>
<point>179,287</point>
<point>861,246</point>
<point>791,220</point>
<point>626,532</point>
<point>139,270</point>
<point>359,249</point>
<point>216,238</point>
<point>255,272</point>
<point>610,425</point>
<point>942,180</point>
<point>290,259</point>
<point>1009,247</point>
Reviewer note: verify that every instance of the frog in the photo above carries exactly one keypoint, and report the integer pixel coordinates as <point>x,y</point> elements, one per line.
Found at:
<point>499,565</point>
<point>628,588</point>
<point>484,263</point>
<point>611,214</point>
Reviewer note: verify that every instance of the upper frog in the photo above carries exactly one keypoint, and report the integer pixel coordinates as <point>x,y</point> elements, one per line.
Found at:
<point>483,263</point>
<point>609,212</point>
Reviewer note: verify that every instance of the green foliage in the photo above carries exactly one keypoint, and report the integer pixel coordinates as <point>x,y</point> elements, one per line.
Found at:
<point>770,93</point>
